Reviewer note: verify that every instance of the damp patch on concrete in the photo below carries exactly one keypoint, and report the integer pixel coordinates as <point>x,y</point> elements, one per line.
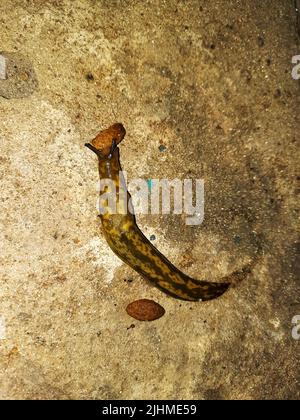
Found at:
<point>17,76</point>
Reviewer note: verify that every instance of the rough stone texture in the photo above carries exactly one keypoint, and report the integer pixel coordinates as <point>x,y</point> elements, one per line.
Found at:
<point>211,81</point>
<point>17,78</point>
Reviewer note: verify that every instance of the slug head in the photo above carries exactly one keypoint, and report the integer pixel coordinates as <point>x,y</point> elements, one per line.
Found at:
<point>107,140</point>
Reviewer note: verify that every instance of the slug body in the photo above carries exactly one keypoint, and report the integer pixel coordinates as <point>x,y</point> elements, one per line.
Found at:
<point>130,244</point>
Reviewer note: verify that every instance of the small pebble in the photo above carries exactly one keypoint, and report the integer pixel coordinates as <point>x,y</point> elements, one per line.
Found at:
<point>152,238</point>
<point>260,41</point>
<point>162,148</point>
<point>277,93</point>
<point>89,76</point>
<point>237,239</point>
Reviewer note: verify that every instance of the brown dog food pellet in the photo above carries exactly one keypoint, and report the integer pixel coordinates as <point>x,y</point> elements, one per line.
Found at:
<point>145,310</point>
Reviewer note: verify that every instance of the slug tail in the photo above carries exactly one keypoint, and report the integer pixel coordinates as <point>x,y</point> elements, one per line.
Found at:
<point>193,290</point>
<point>136,251</point>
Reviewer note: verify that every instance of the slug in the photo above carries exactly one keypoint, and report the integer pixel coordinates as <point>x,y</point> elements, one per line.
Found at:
<point>126,239</point>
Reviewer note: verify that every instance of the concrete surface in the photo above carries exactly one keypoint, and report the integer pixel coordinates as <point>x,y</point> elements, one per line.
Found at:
<point>210,80</point>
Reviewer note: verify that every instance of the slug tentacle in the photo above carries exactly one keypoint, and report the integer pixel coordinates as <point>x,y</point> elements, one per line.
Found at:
<point>93,149</point>
<point>129,243</point>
